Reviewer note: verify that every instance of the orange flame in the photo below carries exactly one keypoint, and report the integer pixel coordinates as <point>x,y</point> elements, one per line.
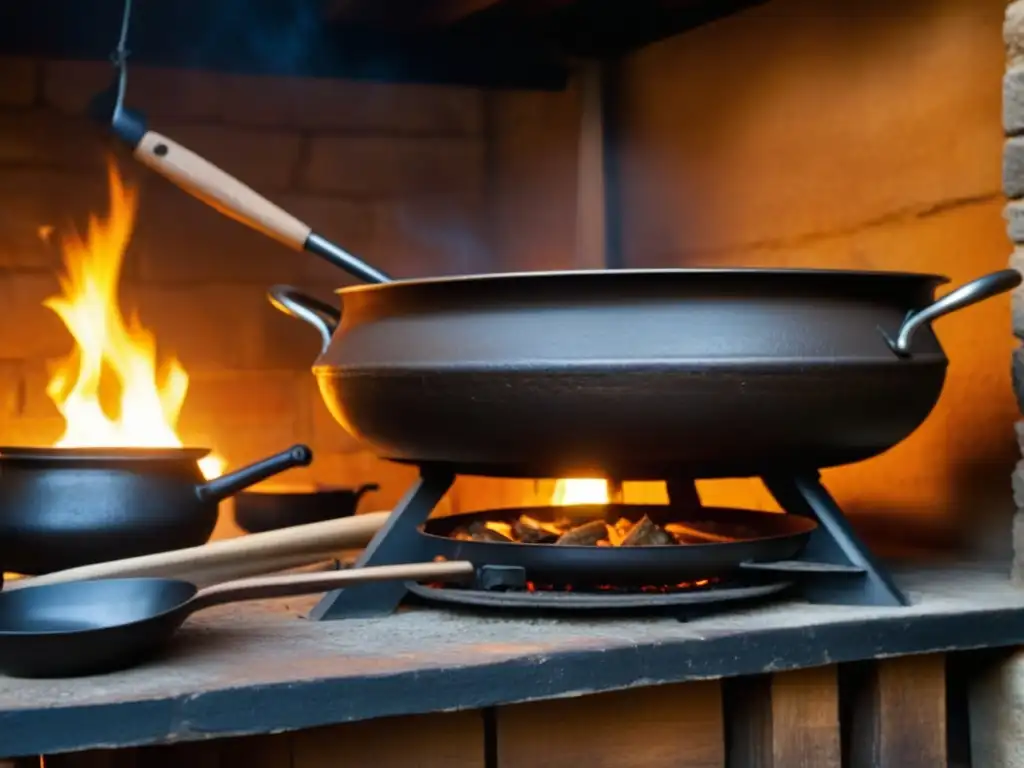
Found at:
<point>572,491</point>
<point>149,404</point>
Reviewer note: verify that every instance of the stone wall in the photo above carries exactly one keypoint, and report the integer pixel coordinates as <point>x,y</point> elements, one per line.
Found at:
<point>1013,186</point>
<point>393,172</point>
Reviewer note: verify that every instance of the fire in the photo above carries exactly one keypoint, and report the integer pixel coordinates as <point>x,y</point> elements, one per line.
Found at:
<point>149,401</point>
<point>580,491</point>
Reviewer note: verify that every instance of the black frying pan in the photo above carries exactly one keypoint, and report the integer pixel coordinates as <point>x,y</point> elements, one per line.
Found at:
<point>93,627</point>
<point>259,511</point>
<point>769,537</point>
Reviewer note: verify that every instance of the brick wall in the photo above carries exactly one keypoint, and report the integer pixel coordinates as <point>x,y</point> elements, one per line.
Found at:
<point>395,173</point>
<point>1013,187</point>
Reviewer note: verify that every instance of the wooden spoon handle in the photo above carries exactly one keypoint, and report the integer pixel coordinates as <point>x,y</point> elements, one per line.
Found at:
<point>263,587</point>
<point>220,190</point>
<point>327,536</point>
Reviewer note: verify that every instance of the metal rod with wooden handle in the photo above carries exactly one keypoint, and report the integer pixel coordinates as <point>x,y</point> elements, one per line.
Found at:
<point>232,197</point>
<point>264,587</point>
<point>306,543</point>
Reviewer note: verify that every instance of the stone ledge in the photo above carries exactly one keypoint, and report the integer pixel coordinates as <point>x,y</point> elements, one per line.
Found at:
<point>256,668</point>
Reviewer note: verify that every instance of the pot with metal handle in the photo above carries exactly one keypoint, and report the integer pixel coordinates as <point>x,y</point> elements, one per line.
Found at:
<point>67,507</point>
<point>646,373</point>
<point>643,373</point>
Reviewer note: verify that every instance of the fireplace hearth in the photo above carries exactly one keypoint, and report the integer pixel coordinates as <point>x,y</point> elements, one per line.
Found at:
<point>667,625</point>
<point>811,547</point>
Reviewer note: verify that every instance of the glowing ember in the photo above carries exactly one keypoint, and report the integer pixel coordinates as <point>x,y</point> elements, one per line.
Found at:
<point>580,491</point>
<point>106,345</point>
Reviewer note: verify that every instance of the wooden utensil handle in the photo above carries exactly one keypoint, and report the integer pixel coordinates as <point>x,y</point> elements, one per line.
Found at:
<point>204,577</point>
<point>219,189</point>
<point>264,587</point>
<point>327,536</point>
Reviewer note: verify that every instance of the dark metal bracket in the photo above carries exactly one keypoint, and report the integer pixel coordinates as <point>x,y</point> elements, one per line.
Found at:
<point>396,542</point>
<point>833,543</point>
<point>834,568</point>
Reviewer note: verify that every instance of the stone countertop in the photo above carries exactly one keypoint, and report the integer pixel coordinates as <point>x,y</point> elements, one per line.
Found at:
<point>261,667</point>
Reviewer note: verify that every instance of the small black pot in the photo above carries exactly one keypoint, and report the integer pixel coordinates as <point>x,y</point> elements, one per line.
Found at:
<point>256,512</point>
<point>67,507</point>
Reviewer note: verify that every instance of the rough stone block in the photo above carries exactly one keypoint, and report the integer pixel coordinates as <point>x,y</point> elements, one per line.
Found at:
<point>19,78</point>
<point>1017,295</point>
<point>376,167</point>
<point>1013,167</point>
<point>172,93</point>
<point>1018,488</point>
<point>334,104</point>
<point>1013,31</point>
<point>1013,100</point>
<point>266,160</point>
<point>1013,212</point>
<point>996,698</point>
<point>1017,372</point>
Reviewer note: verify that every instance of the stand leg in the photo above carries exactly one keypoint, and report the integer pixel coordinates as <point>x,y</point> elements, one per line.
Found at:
<point>682,493</point>
<point>396,542</point>
<point>833,542</point>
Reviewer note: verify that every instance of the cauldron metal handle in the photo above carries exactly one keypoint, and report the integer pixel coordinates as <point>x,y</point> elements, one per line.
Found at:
<point>295,303</point>
<point>977,290</point>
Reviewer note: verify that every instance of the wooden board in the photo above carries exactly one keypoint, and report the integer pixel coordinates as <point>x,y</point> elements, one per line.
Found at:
<point>248,669</point>
<point>786,720</point>
<point>428,741</point>
<point>898,715</point>
<point>672,726</point>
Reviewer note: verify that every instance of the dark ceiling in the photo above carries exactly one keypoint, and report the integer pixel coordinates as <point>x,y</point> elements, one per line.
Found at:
<point>495,43</point>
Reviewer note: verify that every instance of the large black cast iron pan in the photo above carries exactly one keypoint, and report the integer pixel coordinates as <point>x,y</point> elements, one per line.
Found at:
<point>259,511</point>
<point>92,627</point>
<point>711,372</point>
<point>769,538</point>
<point>68,507</point>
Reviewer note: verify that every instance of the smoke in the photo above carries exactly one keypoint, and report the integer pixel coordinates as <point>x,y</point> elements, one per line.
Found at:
<point>447,239</point>
<point>286,37</point>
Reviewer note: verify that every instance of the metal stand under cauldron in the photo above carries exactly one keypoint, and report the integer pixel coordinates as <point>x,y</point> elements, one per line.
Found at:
<point>834,567</point>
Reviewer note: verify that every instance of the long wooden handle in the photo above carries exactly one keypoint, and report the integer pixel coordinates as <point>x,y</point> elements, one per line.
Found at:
<point>264,587</point>
<point>204,577</point>
<point>313,538</point>
<point>220,189</point>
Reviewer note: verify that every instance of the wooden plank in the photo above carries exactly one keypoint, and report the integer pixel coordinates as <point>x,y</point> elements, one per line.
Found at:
<point>898,716</point>
<point>677,726</point>
<point>94,758</point>
<point>996,710</point>
<point>453,740</point>
<point>786,720</point>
